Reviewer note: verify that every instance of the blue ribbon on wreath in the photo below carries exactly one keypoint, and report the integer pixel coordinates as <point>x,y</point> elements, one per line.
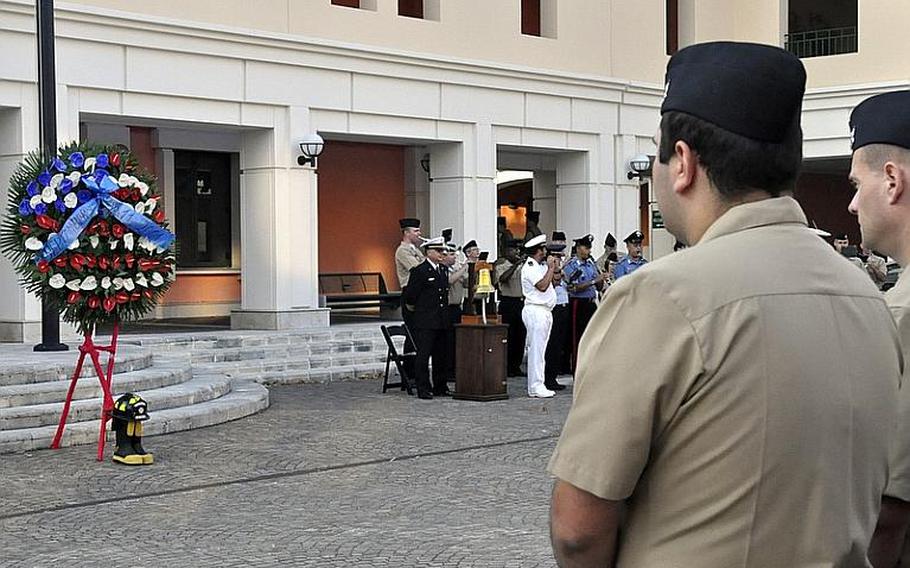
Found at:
<point>83,215</point>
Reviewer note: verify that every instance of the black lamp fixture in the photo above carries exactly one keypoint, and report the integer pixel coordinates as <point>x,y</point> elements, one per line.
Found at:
<point>311,147</point>
<point>425,165</point>
<point>640,166</point>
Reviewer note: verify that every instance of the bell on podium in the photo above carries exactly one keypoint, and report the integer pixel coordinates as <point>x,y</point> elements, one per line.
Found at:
<point>484,285</point>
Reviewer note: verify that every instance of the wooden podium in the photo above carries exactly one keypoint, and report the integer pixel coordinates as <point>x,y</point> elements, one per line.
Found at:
<point>480,361</point>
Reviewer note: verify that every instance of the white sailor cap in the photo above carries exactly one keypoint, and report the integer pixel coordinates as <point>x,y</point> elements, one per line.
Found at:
<point>437,243</point>
<point>538,241</point>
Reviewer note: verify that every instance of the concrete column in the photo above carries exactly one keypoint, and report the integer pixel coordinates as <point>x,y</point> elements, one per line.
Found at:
<point>279,216</point>
<point>463,188</point>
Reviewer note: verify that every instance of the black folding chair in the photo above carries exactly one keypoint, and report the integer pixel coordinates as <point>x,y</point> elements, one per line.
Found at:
<point>389,332</point>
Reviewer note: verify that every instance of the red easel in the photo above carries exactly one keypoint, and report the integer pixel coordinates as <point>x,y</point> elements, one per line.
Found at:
<point>89,348</point>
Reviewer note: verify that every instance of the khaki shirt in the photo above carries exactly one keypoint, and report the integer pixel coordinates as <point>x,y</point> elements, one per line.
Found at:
<point>407,256</point>
<point>739,400</point>
<point>511,288</point>
<point>898,299</point>
<point>457,287</point>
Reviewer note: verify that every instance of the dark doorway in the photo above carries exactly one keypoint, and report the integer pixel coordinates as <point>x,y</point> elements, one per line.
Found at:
<point>203,183</point>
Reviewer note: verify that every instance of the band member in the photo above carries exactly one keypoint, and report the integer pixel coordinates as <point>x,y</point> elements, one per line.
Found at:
<point>632,261</point>
<point>427,296</point>
<point>583,281</point>
<point>511,301</point>
<point>559,346</point>
<point>540,297</point>
<point>458,279</point>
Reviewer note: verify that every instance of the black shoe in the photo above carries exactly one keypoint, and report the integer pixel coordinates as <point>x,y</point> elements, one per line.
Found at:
<point>425,396</point>
<point>516,373</point>
<point>555,386</point>
<point>446,392</point>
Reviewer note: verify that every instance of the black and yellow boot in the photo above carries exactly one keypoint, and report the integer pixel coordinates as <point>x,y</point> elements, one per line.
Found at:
<point>128,414</point>
<point>147,457</point>
<point>125,453</point>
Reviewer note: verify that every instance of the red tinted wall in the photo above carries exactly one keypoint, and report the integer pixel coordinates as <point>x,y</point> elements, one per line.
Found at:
<point>361,199</point>
<point>825,198</point>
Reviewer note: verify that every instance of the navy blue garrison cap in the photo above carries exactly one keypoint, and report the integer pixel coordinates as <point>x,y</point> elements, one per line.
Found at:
<point>749,89</point>
<point>882,119</point>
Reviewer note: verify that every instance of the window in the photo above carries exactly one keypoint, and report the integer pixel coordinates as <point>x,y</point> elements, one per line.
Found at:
<point>530,17</point>
<point>672,26</point>
<point>347,3</point>
<point>817,28</point>
<point>411,8</point>
<point>202,191</point>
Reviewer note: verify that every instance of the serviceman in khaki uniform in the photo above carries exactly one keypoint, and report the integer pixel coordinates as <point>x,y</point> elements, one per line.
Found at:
<point>733,405</point>
<point>407,256</point>
<point>507,270</point>
<point>880,172</point>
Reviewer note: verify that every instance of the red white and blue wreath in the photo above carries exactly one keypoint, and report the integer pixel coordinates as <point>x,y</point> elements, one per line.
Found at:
<point>85,231</point>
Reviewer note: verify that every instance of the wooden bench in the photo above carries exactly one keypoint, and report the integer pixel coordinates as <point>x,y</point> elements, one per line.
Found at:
<point>358,290</point>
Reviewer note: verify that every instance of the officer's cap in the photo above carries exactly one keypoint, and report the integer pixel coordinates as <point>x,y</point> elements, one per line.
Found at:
<point>585,241</point>
<point>533,216</point>
<point>634,237</point>
<point>437,243</point>
<point>749,89</point>
<point>610,241</point>
<point>470,244</point>
<point>538,241</point>
<point>882,119</point>
<point>451,248</point>
<point>842,237</point>
<point>409,223</point>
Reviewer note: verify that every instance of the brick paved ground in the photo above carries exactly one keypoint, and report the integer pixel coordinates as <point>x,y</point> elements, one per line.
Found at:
<point>331,475</point>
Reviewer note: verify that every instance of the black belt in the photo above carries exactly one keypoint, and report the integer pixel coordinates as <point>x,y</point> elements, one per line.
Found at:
<point>582,299</point>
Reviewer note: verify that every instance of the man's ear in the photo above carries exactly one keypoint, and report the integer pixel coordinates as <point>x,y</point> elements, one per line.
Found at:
<point>896,179</point>
<point>684,169</point>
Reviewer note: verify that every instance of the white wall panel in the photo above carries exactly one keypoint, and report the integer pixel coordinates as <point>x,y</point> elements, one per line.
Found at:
<point>473,103</point>
<point>184,74</point>
<point>388,95</point>
<point>545,111</point>
<point>90,64</point>
<point>294,85</point>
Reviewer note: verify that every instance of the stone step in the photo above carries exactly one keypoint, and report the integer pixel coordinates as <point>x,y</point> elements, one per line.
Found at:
<point>274,363</point>
<point>198,389</point>
<point>88,387</point>
<point>22,366</point>
<point>244,398</point>
<point>312,376</point>
<point>238,339</point>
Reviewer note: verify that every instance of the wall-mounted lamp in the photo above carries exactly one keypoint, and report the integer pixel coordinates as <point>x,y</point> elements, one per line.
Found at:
<point>640,166</point>
<point>311,147</point>
<point>425,165</point>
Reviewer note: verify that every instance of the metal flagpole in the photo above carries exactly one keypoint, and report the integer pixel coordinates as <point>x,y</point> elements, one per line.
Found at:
<point>47,99</point>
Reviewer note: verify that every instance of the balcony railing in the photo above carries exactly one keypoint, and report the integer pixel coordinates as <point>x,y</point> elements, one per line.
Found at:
<point>817,43</point>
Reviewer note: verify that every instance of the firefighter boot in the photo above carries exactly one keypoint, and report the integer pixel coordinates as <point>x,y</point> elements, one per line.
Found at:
<point>147,457</point>
<point>124,454</point>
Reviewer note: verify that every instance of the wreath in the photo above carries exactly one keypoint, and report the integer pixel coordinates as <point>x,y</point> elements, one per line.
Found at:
<point>85,232</point>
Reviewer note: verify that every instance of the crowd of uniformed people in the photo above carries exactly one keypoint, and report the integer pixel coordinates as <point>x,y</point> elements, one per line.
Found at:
<point>742,402</point>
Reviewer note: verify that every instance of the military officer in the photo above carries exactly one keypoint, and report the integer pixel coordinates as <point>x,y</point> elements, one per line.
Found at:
<point>633,260</point>
<point>713,424</point>
<point>583,281</point>
<point>880,173</point>
<point>540,296</point>
<point>511,301</point>
<point>407,256</point>
<point>532,220</point>
<point>559,345</point>
<point>427,296</point>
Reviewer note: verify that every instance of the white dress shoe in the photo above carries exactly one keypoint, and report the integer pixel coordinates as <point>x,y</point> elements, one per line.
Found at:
<point>543,393</point>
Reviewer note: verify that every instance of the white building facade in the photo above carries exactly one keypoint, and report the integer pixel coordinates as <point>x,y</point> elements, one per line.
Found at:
<point>461,85</point>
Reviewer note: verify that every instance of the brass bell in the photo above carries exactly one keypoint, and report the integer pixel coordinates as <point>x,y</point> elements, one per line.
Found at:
<point>484,284</point>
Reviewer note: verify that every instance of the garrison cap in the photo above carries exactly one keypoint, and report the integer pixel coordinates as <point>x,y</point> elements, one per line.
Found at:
<point>634,237</point>
<point>533,216</point>
<point>748,89</point>
<point>447,234</point>
<point>409,223</point>
<point>610,241</point>
<point>538,241</point>
<point>882,119</point>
